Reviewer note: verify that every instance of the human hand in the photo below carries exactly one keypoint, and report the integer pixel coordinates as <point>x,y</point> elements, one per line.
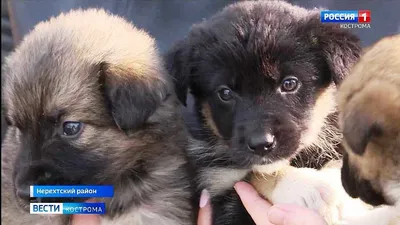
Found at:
<point>80,219</point>
<point>284,214</point>
<point>262,212</point>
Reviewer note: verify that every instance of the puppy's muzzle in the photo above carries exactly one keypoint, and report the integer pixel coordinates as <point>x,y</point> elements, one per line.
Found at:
<point>36,174</point>
<point>262,144</point>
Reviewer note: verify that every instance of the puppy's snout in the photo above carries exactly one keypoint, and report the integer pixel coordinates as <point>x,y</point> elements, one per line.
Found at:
<point>262,144</point>
<point>37,173</point>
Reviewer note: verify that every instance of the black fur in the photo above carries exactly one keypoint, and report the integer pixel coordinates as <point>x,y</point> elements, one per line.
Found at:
<point>357,187</point>
<point>251,47</point>
<point>358,131</point>
<point>130,112</point>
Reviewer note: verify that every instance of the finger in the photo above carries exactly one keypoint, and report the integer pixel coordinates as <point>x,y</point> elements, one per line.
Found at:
<point>205,209</point>
<point>287,214</point>
<point>80,219</point>
<point>256,206</point>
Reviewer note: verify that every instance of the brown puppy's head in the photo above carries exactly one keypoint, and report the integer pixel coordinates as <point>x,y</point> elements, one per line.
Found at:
<point>369,105</point>
<point>263,76</point>
<point>80,94</point>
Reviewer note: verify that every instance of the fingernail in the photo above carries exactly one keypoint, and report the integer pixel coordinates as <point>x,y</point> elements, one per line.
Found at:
<point>235,186</point>
<point>276,216</point>
<point>204,198</point>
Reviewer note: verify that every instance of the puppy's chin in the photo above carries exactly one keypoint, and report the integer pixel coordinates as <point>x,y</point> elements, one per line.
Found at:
<point>262,164</point>
<point>272,167</point>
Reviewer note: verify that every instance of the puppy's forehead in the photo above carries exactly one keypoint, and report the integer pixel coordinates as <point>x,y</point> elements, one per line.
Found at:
<point>48,85</point>
<point>256,53</point>
<point>260,64</point>
<point>265,40</point>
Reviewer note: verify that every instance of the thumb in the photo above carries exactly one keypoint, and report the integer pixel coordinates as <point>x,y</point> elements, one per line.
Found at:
<point>288,214</point>
<point>79,219</point>
<point>88,219</point>
<point>255,205</point>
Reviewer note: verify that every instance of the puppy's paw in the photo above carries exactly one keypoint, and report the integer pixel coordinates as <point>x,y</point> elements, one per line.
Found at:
<point>317,190</point>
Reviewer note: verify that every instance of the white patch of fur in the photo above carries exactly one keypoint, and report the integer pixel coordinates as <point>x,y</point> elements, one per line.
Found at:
<point>392,190</point>
<point>214,179</point>
<point>321,191</point>
<point>385,215</point>
<point>271,168</point>
<point>218,180</point>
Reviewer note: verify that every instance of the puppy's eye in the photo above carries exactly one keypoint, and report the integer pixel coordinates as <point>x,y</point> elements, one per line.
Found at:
<point>72,128</point>
<point>289,84</point>
<point>225,94</point>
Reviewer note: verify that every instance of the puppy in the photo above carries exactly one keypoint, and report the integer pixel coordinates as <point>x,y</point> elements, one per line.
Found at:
<point>88,102</point>
<point>263,75</point>
<point>369,104</point>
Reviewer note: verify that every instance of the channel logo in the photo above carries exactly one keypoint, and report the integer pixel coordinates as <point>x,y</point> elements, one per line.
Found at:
<point>68,208</point>
<point>345,16</point>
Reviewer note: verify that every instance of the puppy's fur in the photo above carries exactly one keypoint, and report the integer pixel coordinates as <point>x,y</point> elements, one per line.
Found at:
<point>249,49</point>
<point>98,70</point>
<point>369,104</point>
<point>320,190</point>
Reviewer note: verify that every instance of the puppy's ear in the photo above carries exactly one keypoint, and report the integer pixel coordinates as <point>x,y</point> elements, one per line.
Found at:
<point>176,61</point>
<point>340,48</point>
<point>131,95</point>
<point>358,129</point>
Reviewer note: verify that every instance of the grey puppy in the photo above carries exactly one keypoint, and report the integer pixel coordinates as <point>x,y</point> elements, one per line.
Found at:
<point>88,102</point>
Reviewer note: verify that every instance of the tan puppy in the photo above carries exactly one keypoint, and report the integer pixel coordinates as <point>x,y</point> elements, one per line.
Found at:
<point>369,104</point>
<point>88,102</point>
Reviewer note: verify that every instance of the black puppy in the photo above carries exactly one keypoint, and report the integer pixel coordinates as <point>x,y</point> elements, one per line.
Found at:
<point>263,75</point>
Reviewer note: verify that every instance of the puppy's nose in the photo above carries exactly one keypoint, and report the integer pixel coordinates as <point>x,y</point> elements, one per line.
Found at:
<point>23,192</point>
<point>262,144</point>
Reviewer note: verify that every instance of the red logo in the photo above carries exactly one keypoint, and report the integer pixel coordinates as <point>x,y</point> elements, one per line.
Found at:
<point>364,16</point>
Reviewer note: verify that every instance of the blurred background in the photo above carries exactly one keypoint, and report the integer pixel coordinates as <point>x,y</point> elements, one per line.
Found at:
<point>170,20</point>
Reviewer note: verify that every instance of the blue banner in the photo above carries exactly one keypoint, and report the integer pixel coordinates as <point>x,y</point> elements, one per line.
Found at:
<point>339,16</point>
<point>68,208</point>
<point>60,191</point>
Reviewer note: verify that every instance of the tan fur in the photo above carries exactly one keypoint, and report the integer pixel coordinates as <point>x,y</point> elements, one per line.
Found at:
<point>206,111</point>
<point>57,67</point>
<point>372,92</point>
<point>324,106</point>
<point>322,133</point>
